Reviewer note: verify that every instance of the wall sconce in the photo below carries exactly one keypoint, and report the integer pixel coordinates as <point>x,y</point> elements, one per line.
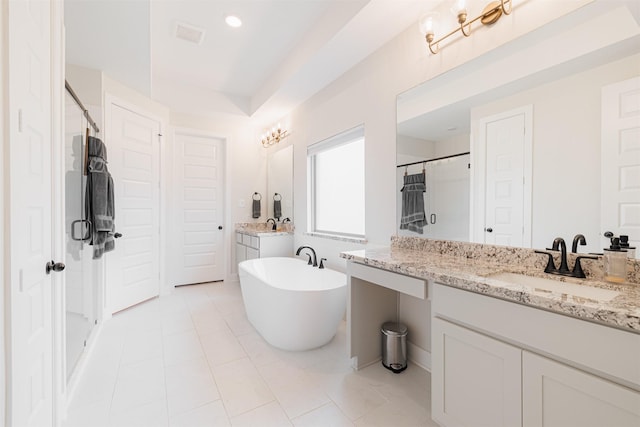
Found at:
<point>273,137</point>
<point>490,15</point>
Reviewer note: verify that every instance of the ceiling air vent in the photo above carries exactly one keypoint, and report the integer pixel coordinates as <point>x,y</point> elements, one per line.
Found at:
<point>189,33</point>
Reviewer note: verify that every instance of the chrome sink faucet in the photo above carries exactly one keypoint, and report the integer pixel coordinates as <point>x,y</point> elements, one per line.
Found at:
<point>273,228</point>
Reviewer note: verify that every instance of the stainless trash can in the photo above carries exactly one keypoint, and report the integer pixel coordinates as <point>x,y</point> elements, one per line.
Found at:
<point>394,346</point>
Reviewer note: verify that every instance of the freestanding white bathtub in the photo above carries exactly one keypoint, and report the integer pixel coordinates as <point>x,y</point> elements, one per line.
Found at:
<point>292,305</point>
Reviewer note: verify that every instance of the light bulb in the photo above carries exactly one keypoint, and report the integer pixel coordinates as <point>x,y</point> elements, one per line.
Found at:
<point>459,6</point>
<point>428,24</point>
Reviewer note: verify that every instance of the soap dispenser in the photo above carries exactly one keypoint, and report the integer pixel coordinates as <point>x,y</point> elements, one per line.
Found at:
<point>624,244</point>
<point>615,262</point>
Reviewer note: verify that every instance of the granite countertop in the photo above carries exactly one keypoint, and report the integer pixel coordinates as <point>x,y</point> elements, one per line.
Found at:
<point>265,233</point>
<point>623,311</point>
<point>261,229</point>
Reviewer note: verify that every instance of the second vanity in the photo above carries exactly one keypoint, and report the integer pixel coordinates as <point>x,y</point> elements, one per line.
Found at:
<point>503,353</point>
<point>258,241</point>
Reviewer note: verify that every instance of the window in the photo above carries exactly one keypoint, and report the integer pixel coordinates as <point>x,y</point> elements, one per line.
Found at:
<point>336,185</point>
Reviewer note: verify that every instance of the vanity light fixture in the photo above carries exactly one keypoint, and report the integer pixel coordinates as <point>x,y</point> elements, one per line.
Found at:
<point>490,15</point>
<point>273,137</point>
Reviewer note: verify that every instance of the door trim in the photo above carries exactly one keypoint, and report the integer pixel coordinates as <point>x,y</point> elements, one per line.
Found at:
<point>109,101</point>
<point>478,172</point>
<point>4,247</point>
<point>58,237</point>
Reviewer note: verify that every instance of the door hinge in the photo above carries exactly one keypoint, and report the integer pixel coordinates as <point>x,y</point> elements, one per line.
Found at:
<point>20,120</point>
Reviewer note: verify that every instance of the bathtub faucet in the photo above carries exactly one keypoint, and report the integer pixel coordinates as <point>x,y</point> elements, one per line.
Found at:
<point>315,259</point>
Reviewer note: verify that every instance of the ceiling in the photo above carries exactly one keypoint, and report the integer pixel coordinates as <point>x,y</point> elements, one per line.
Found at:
<point>285,51</point>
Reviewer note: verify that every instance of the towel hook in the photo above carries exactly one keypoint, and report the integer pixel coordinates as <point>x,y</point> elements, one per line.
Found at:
<point>423,166</point>
<point>277,195</point>
<point>406,168</point>
<point>256,194</point>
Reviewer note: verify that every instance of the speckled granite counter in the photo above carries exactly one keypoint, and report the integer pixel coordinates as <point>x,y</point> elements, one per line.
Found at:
<point>466,271</point>
<point>261,229</point>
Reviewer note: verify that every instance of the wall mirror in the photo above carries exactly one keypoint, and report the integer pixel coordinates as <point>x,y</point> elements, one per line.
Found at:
<point>573,114</point>
<point>280,183</point>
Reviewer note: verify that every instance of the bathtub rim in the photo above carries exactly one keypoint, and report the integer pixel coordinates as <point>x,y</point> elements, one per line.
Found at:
<point>246,267</point>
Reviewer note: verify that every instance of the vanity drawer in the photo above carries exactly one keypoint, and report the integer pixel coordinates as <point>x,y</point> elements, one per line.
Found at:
<point>239,237</point>
<point>398,282</point>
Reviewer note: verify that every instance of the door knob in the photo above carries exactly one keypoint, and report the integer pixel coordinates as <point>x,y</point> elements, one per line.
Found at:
<point>57,267</point>
<point>489,230</point>
<point>219,227</point>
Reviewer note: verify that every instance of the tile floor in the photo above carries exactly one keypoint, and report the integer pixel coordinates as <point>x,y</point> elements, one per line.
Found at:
<point>192,359</point>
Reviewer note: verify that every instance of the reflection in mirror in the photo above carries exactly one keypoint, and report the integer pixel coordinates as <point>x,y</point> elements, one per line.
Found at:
<point>554,152</point>
<point>280,183</point>
<point>445,194</point>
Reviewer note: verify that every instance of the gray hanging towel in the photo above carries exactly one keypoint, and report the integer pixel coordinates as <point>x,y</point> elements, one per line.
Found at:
<point>277,206</point>
<point>99,199</point>
<point>413,217</point>
<point>256,207</point>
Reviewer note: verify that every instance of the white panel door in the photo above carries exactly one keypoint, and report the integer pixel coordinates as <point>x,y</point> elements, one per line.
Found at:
<point>620,179</point>
<point>556,395</point>
<point>30,336</point>
<point>506,198</point>
<point>475,379</point>
<point>199,203</point>
<point>133,149</point>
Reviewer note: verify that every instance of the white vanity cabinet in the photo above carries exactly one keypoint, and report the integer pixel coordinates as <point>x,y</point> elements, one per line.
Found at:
<point>477,378</point>
<point>500,363</point>
<point>249,246</point>
<point>554,394</point>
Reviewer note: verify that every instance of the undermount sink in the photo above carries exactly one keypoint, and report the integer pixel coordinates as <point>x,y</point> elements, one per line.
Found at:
<point>550,285</point>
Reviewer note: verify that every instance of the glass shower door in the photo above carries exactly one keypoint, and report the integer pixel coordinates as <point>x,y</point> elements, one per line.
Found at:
<point>79,285</point>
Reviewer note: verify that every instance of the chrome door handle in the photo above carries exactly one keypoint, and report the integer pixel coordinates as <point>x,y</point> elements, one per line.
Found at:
<point>489,230</point>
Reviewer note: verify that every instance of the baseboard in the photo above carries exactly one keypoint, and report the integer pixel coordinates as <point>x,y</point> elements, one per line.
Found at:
<point>80,367</point>
<point>419,356</point>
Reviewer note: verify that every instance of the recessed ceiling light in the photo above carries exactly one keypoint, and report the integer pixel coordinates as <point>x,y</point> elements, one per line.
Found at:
<point>233,21</point>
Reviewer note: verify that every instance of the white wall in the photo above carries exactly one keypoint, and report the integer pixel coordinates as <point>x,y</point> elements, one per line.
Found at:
<point>566,151</point>
<point>409,150</point>
<point>367,94</point>
<point>3,192</point>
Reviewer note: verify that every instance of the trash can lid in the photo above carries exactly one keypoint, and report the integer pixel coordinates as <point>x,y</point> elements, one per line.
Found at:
<point>394,328</point>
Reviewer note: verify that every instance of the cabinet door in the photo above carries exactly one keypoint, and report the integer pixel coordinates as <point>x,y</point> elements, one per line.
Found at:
<point>555,394</point>
<point>241,253</point>
<point>476,380</point>
<point>253,253</point>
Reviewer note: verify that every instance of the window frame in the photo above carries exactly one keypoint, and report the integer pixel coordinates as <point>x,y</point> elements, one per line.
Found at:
<point>349,136</point>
